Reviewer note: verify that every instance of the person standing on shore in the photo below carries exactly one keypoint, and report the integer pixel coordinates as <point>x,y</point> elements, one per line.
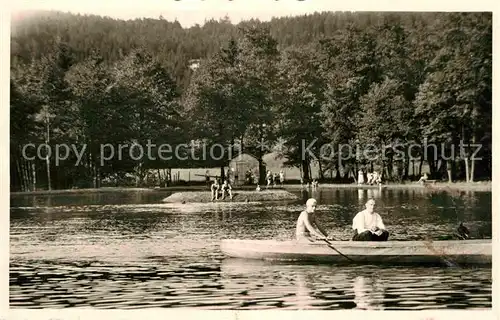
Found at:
<point>361,177</point>
<point>207,178</point>
<point>269,177</point>
<point>282,178</point>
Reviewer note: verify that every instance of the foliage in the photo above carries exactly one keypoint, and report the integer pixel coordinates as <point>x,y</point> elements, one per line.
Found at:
<point>340,78</point>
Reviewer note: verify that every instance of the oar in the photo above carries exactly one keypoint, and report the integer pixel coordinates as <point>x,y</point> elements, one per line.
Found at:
<point>449,263</point>
<point>332,247</point>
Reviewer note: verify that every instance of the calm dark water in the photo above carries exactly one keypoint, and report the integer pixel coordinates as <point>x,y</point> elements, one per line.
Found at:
<point>128,250</point>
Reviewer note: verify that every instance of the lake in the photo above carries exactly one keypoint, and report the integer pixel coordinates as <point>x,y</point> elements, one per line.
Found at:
<point>128,250</point>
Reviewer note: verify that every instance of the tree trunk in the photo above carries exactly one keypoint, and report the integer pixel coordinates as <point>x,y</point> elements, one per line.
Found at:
<point>467,174</point>
<point>159,177</point>
<point>321,177</point>
<point>92,170</point>
<point>420,165</point>
<point>472,167</point>
<point>166,178</point>
<point>222,174</point>
<point>98,176</point>
<point>242,147</point>
<point>432,167</point>
<point>337,173</point>
<point>346,175</point>
<point>33,168</point>
<point>473,163</point>
<point>406,173</point>
<point>27,174</point>
<point>354,174</point>
<point>262,172</point>
<point>47,140</point>
<point>449,170</point>
<point>390,167</point>
<point>305,170</point>
<point>20,174</point>
<point>466,158</point>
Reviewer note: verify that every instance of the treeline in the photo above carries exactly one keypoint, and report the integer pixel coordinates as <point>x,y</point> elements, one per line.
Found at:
<point>412,84</point>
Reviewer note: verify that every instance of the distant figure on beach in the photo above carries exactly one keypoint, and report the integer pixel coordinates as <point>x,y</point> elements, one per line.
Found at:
<point>282,178</point>
<point>377,178</point>
<point>361,178</point>
<point>368,225</point>
<point>423,178</point>
<point>314,183</point>
<point>463,232</point>
<point>226,188</point>
<point>275,179</point>
<point>258,188</point>
<point>207,178</point>
<point>306,224</point>
<point>369,178</point>
<point>269,177</point>
<point>214,189</point>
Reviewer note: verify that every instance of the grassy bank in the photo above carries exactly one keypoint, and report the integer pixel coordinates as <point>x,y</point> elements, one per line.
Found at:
<point>457,186</point>
<point>79,191</point>
<point>238,196</point>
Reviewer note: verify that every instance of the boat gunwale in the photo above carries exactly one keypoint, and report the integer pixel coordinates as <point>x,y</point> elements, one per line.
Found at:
<point>363,244</point>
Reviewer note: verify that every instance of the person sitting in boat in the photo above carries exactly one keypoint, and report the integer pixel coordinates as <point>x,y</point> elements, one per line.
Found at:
<point>226,187</point>
<point>214,189</point>
<point>306,224</point>
<point>368,225</point>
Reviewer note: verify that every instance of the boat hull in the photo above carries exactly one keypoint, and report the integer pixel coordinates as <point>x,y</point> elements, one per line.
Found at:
<point>470,252</point>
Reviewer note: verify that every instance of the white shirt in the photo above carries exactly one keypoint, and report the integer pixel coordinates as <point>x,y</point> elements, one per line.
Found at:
<point>365,221</point>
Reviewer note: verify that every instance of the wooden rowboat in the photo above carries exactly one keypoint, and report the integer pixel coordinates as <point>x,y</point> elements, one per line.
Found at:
<point>452,252</point>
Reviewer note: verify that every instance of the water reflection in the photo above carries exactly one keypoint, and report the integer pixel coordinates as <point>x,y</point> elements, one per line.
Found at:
<point>368,293</point>
<point>359,287</point>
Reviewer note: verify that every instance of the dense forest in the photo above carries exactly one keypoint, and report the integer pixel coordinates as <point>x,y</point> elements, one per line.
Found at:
<point>415,85</point>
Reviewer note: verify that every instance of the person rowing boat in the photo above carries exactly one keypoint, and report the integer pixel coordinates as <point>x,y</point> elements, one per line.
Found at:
<point>368,225</point>
<point>306,224</point>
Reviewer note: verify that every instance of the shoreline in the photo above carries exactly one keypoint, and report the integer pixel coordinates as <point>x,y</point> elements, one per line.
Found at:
<point>456,186</point>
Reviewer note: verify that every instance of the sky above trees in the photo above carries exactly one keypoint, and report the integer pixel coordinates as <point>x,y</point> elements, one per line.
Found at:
<point>190,12</point>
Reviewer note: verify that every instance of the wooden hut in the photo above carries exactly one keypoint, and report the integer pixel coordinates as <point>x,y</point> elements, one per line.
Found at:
<point>243,167</point>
